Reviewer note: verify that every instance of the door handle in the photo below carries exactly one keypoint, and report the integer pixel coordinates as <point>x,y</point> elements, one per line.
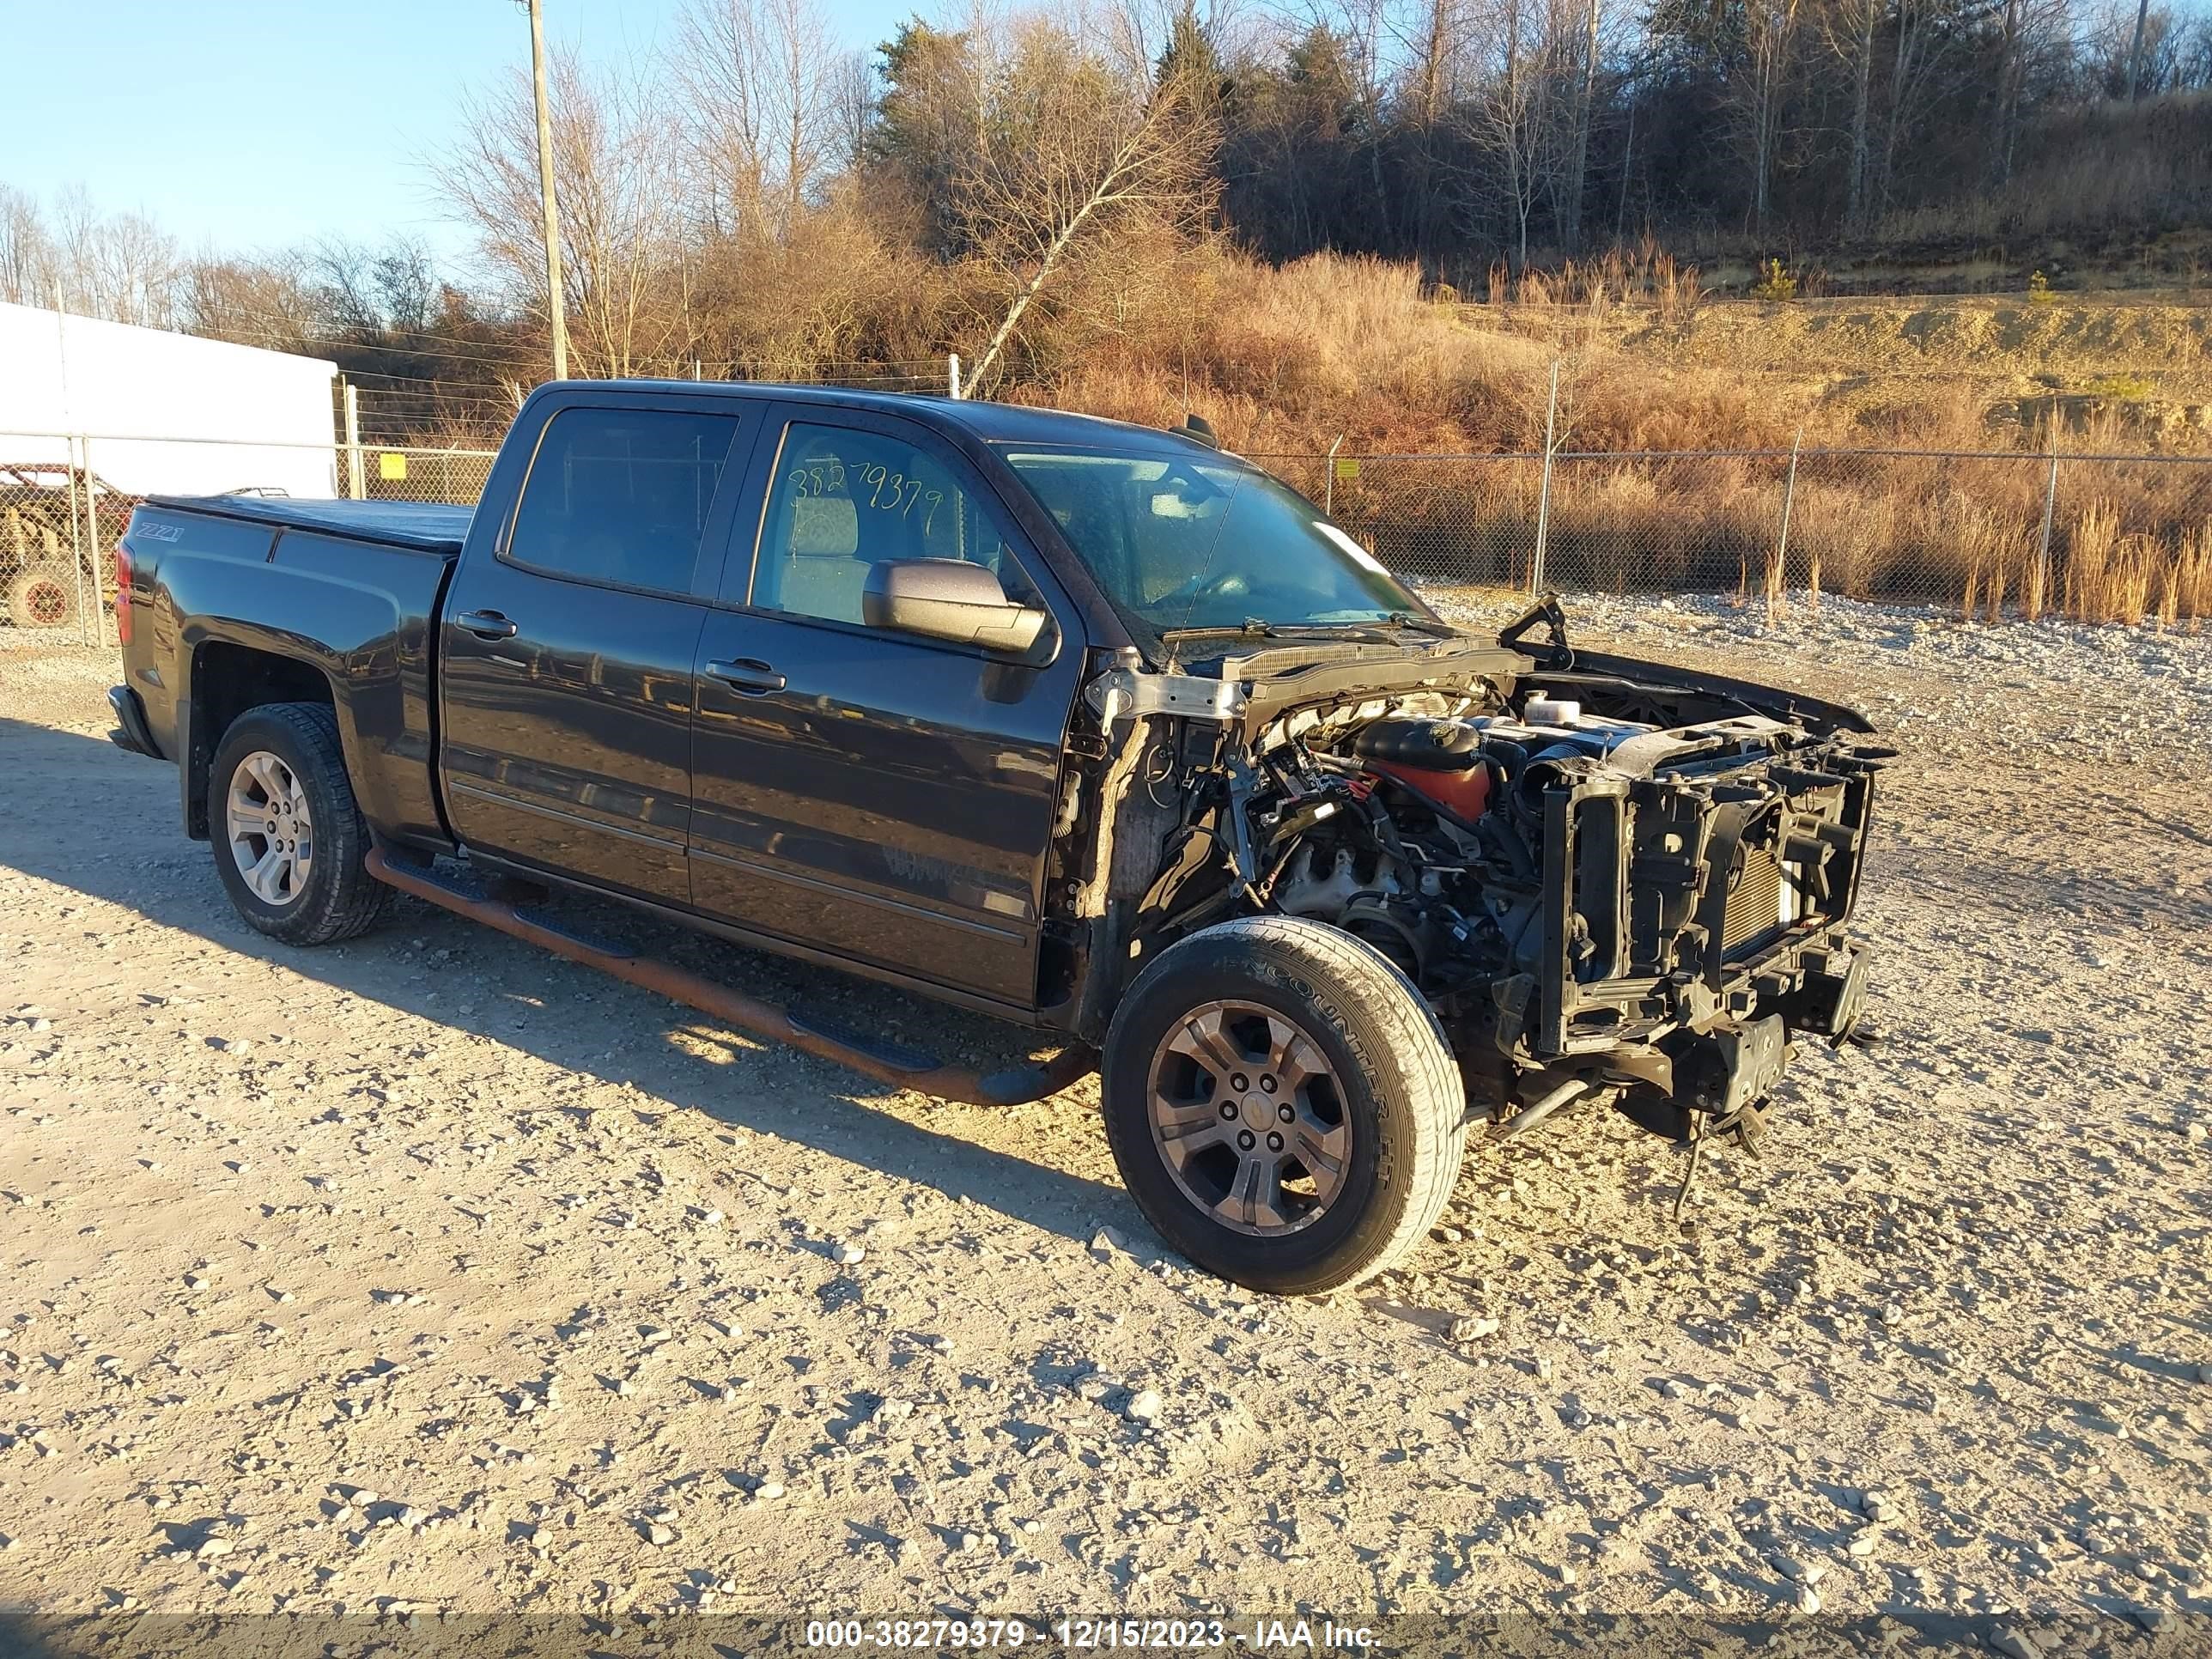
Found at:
<point>486,625</point>
<point>748,674</point>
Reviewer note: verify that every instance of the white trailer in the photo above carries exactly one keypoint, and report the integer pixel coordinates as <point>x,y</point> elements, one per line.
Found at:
<point>167,413</point>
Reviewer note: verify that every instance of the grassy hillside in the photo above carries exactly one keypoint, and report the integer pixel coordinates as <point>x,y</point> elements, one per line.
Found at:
<point>1286,360</point>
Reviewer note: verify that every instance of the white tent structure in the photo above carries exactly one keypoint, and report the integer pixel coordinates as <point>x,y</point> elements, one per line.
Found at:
<point>164,412</point>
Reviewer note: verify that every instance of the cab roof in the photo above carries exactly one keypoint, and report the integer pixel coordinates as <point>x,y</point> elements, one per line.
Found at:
<point>984,421</point>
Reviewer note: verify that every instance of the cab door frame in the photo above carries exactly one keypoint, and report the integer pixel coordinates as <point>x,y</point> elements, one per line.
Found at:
<point>878,803</point>
<point>623,826</point>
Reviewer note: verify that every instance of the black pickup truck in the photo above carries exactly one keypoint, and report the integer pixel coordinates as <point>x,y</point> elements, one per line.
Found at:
<point>1092,727</point>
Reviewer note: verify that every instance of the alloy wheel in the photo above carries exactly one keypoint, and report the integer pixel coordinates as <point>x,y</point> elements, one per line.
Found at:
<point>272,835</point>
<point>1249,1117</point>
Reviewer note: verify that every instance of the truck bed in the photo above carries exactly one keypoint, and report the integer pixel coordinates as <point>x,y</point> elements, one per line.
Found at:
<point>332,601</point>
<point>424,527</point>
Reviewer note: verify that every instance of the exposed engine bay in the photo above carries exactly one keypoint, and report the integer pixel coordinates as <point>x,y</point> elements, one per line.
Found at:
<point>1610,886</point>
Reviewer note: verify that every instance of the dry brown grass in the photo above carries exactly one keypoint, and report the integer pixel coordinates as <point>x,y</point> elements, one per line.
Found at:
<point>2114,575</point>
<point>1287,361</point>
<point>1967,534</point>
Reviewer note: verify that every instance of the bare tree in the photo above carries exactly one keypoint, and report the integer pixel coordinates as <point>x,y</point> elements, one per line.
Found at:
<point>1850,30</point>
<point>1362,26</point>
<point>1760,90</point>
<point>1919,53</point>
<point>2036,51</point>
<point>2135,52</point>
<point>1074,148</point>
<point>1510,121</point>
<point>767,91</point>
<point>1435,47</point>
<point>621,255</point>
<point>2004,102</point>
<point>852,110</point>
<point>255,301</point>
<point>1575,173</point>
<point>122,267</point>
<point>26,250</point>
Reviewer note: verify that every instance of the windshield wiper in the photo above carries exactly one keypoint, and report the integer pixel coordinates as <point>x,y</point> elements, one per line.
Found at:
<point>1407,619</point>
<point>1252,628</point>
<point>1374,631</point>
<point>1355,633</point>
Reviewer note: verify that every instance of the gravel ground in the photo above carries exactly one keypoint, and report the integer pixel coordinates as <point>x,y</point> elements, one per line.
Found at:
<point>429,1272</point>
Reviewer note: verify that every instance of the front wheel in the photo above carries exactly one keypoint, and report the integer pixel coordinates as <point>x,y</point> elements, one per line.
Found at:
<point>1283,1105</point>
<point>288,837</point>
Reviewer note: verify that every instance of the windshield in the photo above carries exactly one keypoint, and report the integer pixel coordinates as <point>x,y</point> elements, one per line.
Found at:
<point>1186,544</point>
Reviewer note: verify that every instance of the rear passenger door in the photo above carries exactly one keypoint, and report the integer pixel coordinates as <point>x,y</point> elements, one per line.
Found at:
<point>870,795</point>
<point>567,645</point>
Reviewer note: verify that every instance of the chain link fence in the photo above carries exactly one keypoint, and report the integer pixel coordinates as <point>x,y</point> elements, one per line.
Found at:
<point>1988,535</point>
<point>66,499</point>
<point>395,472</point>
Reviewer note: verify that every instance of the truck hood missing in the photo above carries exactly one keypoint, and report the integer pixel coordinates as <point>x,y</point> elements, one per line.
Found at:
<point>1595,869</point>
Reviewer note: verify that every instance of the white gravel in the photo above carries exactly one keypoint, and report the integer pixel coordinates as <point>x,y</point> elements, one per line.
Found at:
<point>1944,1343</point>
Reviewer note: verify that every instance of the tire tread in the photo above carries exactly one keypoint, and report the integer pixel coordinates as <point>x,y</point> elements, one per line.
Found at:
<point>1412,1040</point>
<point>353,902</point>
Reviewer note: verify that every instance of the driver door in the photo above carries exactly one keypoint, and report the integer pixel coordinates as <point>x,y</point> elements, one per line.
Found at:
<point>866,794</point>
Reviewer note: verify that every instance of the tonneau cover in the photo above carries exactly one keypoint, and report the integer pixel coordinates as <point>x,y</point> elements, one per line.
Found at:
<point>432,526</point>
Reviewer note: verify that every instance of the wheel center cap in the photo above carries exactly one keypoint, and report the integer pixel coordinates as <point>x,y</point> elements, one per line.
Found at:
<point>1256,1113</point>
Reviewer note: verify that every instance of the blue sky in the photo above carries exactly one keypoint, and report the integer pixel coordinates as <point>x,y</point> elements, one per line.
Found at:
<point>254,124</point>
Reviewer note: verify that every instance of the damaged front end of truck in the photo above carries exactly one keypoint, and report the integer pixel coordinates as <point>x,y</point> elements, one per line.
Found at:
<point>1613,882</point>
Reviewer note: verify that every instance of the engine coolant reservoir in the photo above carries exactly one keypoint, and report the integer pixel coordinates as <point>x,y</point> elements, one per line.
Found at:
<point>1441,760</point>
<point>1543,710</point>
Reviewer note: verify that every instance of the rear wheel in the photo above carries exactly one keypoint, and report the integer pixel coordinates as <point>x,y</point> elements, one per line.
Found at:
<point>42,596</point>
<point>289,838</point>
<point>1283,1105</point>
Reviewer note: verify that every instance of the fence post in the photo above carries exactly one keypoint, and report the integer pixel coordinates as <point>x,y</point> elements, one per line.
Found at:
<point>92,538</point>
<point>1774,589</point>
<point>75,473</point>
<point>952,373</point>
<point>356,485</point>
<point>1543,488</point>
<point>2050,508</point>
<point>1329,484</point>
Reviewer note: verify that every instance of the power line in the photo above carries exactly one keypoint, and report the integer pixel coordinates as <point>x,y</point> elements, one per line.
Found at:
<point>275,333</point>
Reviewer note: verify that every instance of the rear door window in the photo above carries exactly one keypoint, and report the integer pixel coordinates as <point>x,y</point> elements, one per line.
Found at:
<point>621,496</point>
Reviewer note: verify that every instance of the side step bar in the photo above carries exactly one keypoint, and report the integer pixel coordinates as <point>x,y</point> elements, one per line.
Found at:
<point>902,1069</point>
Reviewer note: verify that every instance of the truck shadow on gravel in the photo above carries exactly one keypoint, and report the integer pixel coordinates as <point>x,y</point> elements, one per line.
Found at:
<point>480,982</point>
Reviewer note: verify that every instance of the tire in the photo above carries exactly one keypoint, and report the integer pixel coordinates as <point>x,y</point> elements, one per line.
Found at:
<point>45,595</point>
<point>331,896</point>
<point>1390,1117</point>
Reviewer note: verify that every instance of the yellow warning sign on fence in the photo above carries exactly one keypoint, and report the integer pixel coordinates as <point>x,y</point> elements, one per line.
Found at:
<point>391,465</point>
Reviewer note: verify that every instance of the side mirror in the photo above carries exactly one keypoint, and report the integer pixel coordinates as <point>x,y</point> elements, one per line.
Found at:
<point>949,599</point>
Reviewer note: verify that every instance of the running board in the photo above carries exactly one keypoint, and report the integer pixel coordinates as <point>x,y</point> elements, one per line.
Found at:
<point>903,1068</point>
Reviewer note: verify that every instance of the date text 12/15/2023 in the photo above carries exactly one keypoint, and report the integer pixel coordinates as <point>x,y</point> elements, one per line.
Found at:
<point>1089,1635</point>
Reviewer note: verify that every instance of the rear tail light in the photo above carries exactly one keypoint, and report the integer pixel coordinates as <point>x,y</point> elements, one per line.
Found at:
<point>122,593</point>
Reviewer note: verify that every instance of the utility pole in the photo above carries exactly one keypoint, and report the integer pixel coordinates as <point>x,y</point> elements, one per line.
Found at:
<point>555,303</point>
<point>2135,50</point>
